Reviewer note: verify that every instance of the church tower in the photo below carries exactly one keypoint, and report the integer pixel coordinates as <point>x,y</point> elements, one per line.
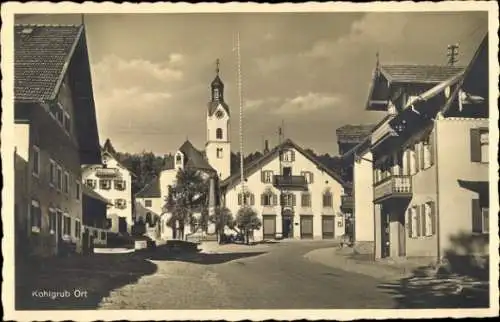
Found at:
<point>218,146</point>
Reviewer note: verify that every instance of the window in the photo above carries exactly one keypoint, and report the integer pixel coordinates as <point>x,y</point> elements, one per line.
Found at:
<point>91,183</point>
<point>480,218</point>
<point>288,200</point>
<point>178,159</point>
<point>308,175</point>
<point>327,200</point>
<point>78,229</point>
<point>36,161</point>
<point>148,203</point>
<point>306,200</point>
<point>59,178</point>
<point>268,199</point>
<point>66,225</point>
<point>52,173</point>
<point>121,203</point>
<point>288,156</point>
<point>103,235</point>
<point>216,93</point>
<point>105,184</point>
<point>66,182</point>
<point>479,143</point>
<point>120,185</point>
<point>77,190</point>
<point>413,159</point>
<point>219,153</point>
<point>35,216</point>
<point>218,133</point>
<point>59,114</point>
<point>52,221</point>
<point>67,122</point>
<point>267,176</point>
<point>247,199</point>
<point>95,234</point>
<point>109,223</point>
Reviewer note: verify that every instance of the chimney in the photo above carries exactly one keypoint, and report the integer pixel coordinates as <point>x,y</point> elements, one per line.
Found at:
<point>266,146</point>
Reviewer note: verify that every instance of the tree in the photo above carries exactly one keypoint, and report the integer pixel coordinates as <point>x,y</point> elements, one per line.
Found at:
<point>190,191</point>
<point>247,221</point>
<point>222,217</point>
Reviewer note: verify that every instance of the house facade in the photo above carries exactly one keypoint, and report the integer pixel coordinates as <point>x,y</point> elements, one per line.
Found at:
<point>55,132</point>
<point>430,156</point>
<point>113,181</point>
<point>293,194</point>
<point>357,163</point>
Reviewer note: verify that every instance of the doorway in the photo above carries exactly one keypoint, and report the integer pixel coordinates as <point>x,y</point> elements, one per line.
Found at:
<point>328,225</point>
<point>287,171</point>
<point>287,226</point>
<point>269,226</point>
<point>306,227</point>
<point>386,233</point>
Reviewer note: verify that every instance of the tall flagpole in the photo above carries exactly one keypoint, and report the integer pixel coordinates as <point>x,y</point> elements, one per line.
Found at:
<point>240,90</point>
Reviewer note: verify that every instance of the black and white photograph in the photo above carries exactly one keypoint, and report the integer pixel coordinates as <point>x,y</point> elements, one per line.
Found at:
<point>247,161</point>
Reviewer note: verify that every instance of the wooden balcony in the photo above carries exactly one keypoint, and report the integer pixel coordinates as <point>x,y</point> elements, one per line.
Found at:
<point>346,203</point>
<point>393,187</point>
<point>289,182</point>
<point>107,172</point>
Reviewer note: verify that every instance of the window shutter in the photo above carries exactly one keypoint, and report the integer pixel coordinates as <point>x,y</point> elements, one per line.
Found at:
<point>294,201</point>
<point>416,156</point>
<point>431,149</point>
<point>421,153</point>
<point>407,162</point>
<point>262,176</point>
<point>275,200</point>
<point>476,217</point>
<point>311,176</point>
<point>252,199</point>
<point>292,155</point>
<point>410,221</point>
<point>475,145</point>
<point>423,213</point>
<point>419,224</point>
<point>239,199</point>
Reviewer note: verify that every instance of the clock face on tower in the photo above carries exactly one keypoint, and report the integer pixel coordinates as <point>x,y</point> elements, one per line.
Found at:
<point>219,114</point>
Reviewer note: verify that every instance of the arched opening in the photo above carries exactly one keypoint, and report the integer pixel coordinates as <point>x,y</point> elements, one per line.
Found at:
<point>218,133</point>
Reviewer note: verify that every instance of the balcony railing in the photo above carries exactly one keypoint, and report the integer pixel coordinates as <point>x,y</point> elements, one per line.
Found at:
<point>289,181</point>
<point>396,186</point>
<point>107,172</point>
<point>346,202</point>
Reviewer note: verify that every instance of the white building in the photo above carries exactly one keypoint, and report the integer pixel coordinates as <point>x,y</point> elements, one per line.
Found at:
<point>293,194</point>
<point>113,181</point>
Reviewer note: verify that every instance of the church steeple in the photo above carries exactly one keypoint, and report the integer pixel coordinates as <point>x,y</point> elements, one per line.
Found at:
<point>217,86</point>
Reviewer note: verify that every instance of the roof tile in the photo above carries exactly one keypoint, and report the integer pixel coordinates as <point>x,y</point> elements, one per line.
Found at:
<point>419,73</point>
<point>40,53</point>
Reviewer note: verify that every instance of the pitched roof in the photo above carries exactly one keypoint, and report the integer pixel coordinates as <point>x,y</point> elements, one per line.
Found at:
<point>151,190</point>
<point>140,210</point>
<point>194,158</point>
<point>109,147</point>
<point>41,57</point>
<point>257,164</point>
<point>353,133</point>
<point>419,73</point>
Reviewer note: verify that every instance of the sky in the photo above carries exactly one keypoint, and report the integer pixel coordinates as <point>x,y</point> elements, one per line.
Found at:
<point>151,73</point>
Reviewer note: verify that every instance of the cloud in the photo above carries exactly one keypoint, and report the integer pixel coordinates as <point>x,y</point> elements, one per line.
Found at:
<point>113,71</point>
<point>176,58</point>
<point>311,102</point>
